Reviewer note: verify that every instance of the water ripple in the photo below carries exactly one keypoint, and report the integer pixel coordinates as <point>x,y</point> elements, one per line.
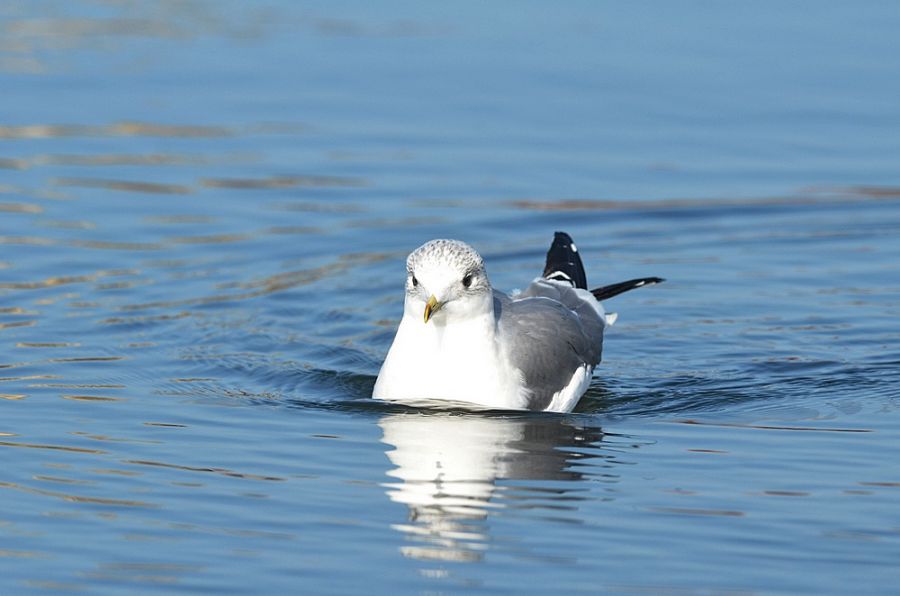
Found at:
<point>220,471</point>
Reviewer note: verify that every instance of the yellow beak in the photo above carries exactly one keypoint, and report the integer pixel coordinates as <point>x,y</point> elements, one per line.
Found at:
<point>431,307</point>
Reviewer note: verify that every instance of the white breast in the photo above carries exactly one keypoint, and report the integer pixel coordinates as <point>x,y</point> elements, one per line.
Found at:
<point>458,362</point>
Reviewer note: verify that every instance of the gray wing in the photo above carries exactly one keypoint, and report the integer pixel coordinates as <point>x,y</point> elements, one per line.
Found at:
<point>548,332</point>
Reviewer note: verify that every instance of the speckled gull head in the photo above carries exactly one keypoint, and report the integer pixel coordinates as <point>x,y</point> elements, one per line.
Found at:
<point>445,280</point>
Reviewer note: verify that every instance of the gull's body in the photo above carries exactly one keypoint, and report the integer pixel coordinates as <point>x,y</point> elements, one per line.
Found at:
<point>462,341</point>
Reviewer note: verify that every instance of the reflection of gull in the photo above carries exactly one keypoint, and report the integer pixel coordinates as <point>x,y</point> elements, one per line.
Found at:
<point>461,340</point>
<point>447,466</point>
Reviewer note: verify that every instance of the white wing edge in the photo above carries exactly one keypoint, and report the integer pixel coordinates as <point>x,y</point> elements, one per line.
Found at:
<point>566,398</point>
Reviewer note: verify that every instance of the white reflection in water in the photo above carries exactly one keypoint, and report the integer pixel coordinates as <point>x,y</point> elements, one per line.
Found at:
<point>447,468</point>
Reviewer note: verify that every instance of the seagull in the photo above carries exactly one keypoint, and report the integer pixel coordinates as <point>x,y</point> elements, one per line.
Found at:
<point>463,342</point>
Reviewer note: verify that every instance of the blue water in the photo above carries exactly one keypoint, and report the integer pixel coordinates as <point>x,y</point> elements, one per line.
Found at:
<point>204,212</point>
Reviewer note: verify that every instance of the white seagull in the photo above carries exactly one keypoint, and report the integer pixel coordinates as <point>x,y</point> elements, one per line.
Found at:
<point>462,341</point>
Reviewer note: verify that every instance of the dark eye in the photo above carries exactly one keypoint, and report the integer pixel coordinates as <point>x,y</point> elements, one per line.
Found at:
<point>467,280</point>
<point>415,282</point>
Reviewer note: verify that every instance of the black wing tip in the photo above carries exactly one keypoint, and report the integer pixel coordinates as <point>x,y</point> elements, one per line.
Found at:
<point>623,286</point>
<point>564,262</point>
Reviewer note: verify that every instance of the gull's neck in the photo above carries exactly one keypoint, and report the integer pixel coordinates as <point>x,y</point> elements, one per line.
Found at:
<point>454,332</point>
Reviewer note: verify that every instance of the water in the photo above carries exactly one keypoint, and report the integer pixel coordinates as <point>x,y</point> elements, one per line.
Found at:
<point>204,211</point>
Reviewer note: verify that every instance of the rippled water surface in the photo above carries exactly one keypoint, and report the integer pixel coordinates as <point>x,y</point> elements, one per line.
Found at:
<point>204,212</point>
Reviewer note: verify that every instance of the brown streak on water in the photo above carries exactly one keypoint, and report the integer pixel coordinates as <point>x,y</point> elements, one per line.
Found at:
<point>118,245</point>
<point>148,159</point>
<point>220,471</point>
<point>60,480</point>
<point>772,427</point>
<point>283,182</point>
<point>705,512</point>
<point>52,447</point>
<point>25,208</point>
<point>268,285</point>
<point>128,129</point>
<point>61,280</point>
<point>92,398</point>
<point>145,319</point>
<point>842,197</point>
<point>89,359</point>
<point>124,185</point>
<point>76,498</point>
<point>213,239</point>
<point>18,324</point>
<point>20,554</point>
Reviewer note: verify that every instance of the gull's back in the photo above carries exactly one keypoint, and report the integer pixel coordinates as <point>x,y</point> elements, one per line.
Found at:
<point>554,336</point>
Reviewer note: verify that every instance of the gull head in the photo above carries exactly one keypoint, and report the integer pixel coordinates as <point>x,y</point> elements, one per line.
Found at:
<point>446,281</point>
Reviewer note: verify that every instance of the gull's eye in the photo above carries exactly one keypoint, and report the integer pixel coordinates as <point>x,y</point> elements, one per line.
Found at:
<point>415,282</point>
<point>467,280</point>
